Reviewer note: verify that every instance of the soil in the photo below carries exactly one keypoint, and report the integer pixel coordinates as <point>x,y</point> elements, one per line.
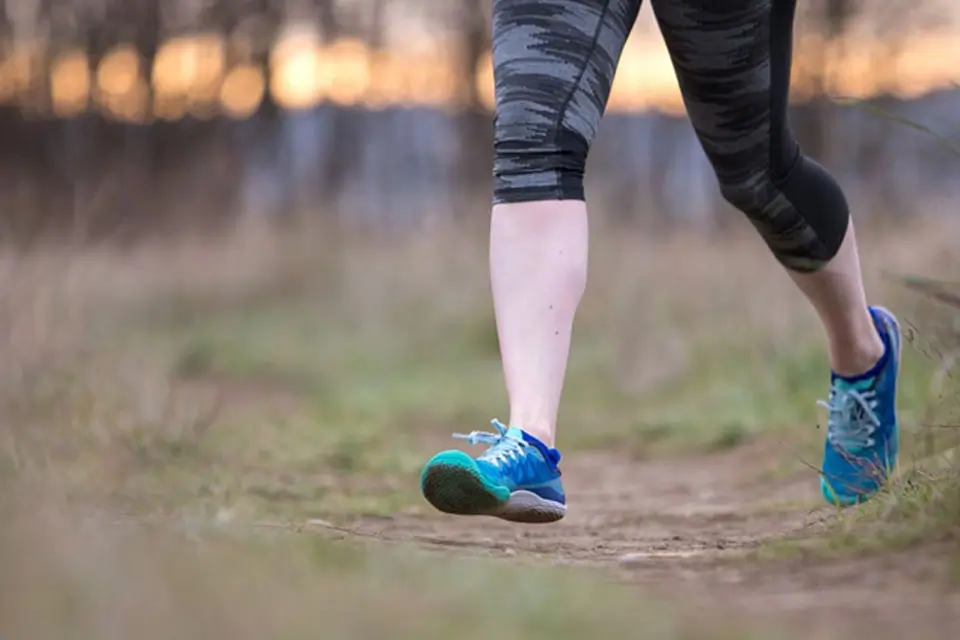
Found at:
<point>683,529</point>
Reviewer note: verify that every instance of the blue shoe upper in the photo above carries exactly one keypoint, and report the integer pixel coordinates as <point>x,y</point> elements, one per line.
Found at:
<point>862,432</point>
<point>518,461</point>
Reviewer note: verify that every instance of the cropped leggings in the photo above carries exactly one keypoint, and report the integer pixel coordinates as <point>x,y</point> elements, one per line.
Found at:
<point>554,64</point>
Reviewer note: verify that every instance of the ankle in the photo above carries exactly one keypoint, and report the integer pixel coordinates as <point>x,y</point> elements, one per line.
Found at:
<point>853,356</point>
<point>543,432</point>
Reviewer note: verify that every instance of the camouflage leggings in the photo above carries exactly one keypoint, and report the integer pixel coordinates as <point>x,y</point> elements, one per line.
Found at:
<point>554,63</point>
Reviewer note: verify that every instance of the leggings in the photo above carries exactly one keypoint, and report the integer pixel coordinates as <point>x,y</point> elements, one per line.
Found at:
<point>554,64</point>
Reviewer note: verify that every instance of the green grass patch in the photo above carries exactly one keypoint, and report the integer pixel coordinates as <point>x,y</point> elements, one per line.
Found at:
<point>920,505</point>
<point>370,400</point>
<point>321,390</point>
<point>451,380</point>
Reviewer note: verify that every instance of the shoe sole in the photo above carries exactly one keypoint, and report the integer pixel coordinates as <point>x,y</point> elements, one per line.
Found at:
<point>452,483</point>
<point>826,488</point>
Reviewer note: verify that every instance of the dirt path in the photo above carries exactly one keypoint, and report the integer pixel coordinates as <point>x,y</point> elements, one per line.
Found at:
<point>698,507</point>
<point>680,527</point>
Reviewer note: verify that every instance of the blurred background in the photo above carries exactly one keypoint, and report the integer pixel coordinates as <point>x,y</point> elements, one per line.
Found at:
<point>244,294</point>
<point>270,216</point>
<point>120,118</point>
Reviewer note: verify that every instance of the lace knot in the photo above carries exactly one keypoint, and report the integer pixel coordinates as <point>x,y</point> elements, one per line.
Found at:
<point>503,449</point>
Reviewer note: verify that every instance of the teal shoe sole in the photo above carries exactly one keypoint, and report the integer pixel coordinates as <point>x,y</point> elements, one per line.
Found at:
<point>837,499</point>
<point>452,483</point>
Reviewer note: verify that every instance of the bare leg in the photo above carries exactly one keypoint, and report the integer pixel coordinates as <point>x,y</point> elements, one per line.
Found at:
<point>538,270</point>
<point>554,64</point>
<point>739,110</point>
<point>836,292</point>
<point>733,63</point>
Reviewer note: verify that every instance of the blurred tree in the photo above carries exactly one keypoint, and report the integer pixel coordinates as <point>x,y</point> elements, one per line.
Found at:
<point>473,121</point>
<point>892,24</point>
<point>831,21</point>
<point>99,174</point>
<point>344,141</point>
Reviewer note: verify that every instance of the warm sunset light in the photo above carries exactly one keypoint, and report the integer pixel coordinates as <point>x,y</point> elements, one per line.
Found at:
<point>119,71</point>
<point>344,76</point>
<point>70,84</point>
<point>242,91</point>
<point>169,106</point>
<point>485,80</point>
<point>121,88</point>
<point>189,65</point>
<point>16,70</point>
<point>195,76</point>
<point>295,71</point>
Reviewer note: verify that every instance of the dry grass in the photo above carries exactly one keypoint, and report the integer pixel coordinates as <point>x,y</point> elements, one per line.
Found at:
<point>310,373</point>
<point>308,376</point>
<point>922,502</point>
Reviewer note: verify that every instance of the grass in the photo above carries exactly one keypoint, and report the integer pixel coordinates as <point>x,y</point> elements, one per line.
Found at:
<point>289,378</point>
<point>921,504</point>
<point>380,375</point>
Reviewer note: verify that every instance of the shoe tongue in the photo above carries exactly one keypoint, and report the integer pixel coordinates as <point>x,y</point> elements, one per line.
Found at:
<point>514,433</point>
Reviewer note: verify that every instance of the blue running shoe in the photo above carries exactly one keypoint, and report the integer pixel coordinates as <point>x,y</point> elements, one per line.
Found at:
<point>862,431</point>
<point>516,479</point>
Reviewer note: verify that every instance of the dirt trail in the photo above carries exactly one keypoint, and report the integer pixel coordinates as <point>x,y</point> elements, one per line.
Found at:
<point>697,507</point>
<point>680,527</point>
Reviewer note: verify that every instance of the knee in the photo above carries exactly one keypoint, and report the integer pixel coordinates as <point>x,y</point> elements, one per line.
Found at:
<point>802,214</point>
<point>536,161</point>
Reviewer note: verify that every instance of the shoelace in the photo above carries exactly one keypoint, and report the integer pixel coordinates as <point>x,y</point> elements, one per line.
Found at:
<point>852,420</point>
<point>503,450</point>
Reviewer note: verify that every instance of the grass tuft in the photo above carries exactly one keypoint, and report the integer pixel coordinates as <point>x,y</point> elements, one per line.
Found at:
<point>921,504</point>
